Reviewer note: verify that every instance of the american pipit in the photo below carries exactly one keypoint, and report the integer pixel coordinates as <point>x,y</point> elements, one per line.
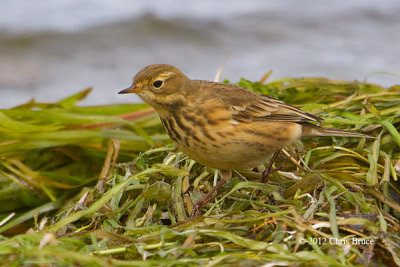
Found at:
<point>223,126</point>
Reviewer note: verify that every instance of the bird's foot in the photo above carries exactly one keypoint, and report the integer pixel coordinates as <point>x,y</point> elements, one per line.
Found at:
<point>268,171</point>
<point>206,199</point>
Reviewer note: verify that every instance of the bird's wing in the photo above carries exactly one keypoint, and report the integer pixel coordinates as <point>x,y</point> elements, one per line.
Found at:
<point>264,108</point>
<point>248,106</point>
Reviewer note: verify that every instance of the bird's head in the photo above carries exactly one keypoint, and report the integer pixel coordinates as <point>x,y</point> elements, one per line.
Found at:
<point>159,85</point>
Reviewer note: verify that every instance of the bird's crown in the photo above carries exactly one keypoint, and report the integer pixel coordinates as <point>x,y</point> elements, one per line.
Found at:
<point>157,73</point>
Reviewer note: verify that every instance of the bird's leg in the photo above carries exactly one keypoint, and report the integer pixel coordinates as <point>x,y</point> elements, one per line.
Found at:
<point>225,176</point>
<point>206,199</point>
<point>268,170</point>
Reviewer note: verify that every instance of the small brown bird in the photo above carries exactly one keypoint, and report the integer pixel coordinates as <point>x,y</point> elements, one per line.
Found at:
<point>223,126</point>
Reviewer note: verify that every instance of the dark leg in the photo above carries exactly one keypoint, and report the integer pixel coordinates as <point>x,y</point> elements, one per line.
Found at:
<point>225,176</point>
<point>268,170</point>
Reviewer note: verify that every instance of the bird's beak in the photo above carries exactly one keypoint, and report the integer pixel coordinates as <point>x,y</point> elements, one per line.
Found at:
<point>131,89</point>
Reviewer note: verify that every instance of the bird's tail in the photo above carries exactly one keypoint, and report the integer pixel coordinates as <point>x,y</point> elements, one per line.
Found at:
<point>310,130</point>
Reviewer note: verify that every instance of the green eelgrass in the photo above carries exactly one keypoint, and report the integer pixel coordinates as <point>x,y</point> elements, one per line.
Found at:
<point>101,186</point>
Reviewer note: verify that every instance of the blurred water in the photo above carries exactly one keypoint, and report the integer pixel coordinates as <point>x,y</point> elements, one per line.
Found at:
<point>51,49</point>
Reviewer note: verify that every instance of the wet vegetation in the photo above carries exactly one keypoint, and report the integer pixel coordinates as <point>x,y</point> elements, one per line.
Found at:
<point>104,186</point>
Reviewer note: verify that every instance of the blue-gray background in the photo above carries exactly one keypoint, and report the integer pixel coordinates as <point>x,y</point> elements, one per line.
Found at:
<point>52,48</point>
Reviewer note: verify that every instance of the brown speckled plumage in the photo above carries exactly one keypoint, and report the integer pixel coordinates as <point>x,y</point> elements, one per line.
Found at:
<point>223,126</point>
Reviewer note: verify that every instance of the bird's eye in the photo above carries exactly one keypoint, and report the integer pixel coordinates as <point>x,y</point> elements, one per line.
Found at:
<point>157,84</point>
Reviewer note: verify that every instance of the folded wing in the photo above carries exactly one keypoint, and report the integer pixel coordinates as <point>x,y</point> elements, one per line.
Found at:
<point>264,108</point>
